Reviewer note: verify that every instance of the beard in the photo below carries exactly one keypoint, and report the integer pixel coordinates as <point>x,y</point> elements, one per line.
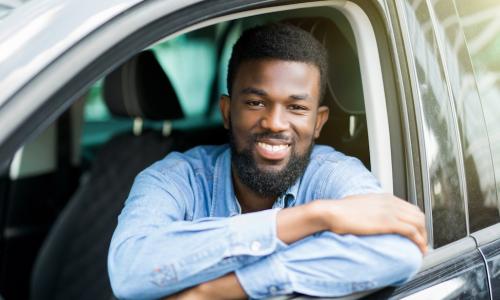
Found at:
<point>267,183</point>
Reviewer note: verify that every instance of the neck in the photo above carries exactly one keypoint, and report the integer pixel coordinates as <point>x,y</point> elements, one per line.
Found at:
<point>247,198</point>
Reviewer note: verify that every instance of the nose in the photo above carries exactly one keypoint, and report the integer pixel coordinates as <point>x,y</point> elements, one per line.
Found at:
<point>274,119</point>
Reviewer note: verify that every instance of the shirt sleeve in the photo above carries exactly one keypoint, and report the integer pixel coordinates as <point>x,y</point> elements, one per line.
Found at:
<point>155,252</point>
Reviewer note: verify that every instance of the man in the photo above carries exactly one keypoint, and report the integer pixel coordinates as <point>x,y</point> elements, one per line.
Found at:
<point>270,213</point>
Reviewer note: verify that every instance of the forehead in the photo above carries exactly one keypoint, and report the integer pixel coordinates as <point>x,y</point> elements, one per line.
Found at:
<point>278,75</point>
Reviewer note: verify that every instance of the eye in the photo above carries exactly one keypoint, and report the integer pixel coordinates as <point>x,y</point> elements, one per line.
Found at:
<point>296,107</point>
<point>254,103</point>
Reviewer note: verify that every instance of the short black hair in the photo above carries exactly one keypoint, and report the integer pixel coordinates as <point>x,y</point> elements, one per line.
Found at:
<point>278,41</point>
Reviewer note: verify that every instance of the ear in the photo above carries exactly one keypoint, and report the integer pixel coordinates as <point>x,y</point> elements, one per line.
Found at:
<point>225,109</point>
<point>321,118</point>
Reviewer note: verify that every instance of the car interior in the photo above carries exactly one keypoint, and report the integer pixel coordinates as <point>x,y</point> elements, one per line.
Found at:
<point>65,188</point>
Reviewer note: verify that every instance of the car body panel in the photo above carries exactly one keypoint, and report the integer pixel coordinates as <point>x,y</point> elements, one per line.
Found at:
<point>463,277</point>
<point>35,34</point>
<point>491,253</point>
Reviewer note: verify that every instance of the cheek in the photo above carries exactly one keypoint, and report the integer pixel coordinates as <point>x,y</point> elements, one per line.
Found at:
<point>239,133</point>
<point>245,120</point>
<point>306,128</point>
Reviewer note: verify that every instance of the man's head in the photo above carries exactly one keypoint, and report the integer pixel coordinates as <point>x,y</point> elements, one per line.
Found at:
<point>275,80</point>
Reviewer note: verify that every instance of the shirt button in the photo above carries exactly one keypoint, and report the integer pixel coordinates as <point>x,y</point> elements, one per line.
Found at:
<point>255,246</point>
<point>273,289</point>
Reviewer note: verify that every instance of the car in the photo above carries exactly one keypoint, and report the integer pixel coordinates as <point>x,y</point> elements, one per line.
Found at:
<point>91,92</point>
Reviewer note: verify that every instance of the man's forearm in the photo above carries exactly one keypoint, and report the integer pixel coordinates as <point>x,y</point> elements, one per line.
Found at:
<point>360,215</point>
<point>296,223</point>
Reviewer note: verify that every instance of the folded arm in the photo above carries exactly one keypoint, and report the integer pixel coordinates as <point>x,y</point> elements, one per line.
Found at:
<point>332,264</point>
<point>158,250</point>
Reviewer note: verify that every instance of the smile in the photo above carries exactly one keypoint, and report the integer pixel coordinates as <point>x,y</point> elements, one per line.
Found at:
<point>273,148</point>
<point>273,151</point>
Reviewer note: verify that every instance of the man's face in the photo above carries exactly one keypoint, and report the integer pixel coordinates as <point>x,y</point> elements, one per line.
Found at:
<point>273,116</point>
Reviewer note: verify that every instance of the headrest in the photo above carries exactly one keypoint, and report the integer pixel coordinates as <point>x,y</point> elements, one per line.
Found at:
<point>344,83</point>
<point>140,89</point>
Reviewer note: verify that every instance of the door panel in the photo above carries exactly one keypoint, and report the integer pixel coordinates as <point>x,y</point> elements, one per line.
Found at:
<point>462,277</point>
<point>491,252</point>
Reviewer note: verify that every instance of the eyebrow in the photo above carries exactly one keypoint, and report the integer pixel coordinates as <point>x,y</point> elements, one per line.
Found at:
<point>252,90</point>
<point>260,92</point>
<point>300,97</point>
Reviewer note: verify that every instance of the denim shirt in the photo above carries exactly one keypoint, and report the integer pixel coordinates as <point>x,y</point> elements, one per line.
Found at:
<point>182,225</point>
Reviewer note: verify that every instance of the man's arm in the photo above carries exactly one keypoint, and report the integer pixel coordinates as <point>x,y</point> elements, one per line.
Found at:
<point>359,215</point>
<point>342,264</point>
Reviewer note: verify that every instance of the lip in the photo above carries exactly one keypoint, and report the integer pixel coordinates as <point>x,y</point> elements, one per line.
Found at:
<point>272,149</point>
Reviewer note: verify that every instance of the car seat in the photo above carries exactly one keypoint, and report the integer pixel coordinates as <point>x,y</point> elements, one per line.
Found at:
<point>72,261</point>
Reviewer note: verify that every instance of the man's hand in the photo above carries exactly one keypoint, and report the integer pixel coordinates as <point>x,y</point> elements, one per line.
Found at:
<point>224,288</point>
<point>360,215</point>
<point>374,214</point>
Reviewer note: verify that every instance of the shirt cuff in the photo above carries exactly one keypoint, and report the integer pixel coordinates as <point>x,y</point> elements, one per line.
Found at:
<point>254,234</point>
<point>265,278</point>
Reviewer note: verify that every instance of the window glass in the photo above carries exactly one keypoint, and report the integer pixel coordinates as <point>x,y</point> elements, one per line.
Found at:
<point>476,157</point>
<point>438,128</point>
<point>189,62</point>
<point>481,24</point>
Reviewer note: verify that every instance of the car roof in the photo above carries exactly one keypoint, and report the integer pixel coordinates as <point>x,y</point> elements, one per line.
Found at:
<point>34,34</point>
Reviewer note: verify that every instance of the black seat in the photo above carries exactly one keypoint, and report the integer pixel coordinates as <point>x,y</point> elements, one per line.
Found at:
<point>72,261</point>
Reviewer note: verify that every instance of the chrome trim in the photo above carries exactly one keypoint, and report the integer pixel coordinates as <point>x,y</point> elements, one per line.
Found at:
<point>426,185</point>
<point>412,189</point>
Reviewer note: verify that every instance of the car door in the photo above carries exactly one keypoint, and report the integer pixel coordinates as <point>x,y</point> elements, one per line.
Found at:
<point>457,183</point>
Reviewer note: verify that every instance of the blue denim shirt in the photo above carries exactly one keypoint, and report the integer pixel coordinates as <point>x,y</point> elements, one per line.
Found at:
<point>182,225</point>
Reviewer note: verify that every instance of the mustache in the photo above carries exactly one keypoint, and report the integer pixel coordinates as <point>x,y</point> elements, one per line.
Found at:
<point>272,135</point>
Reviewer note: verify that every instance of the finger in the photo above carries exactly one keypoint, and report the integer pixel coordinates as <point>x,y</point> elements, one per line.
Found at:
<point>415,219</point>
<point>412,234</point>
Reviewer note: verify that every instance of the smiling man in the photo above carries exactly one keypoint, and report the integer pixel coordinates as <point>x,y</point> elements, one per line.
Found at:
<point>270,213</point>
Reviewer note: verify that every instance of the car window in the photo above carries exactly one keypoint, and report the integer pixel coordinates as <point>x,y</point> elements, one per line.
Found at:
<point>475,157</point>
<point>481,26</point>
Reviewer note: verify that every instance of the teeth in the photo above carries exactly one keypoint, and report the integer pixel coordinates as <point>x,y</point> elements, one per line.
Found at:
<point>272,148</point>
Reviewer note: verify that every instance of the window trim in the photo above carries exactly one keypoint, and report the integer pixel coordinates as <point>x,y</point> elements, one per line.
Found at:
<point>413,78</point>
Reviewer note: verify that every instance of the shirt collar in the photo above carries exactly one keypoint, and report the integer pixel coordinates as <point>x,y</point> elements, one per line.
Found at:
<point>224,200</point>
